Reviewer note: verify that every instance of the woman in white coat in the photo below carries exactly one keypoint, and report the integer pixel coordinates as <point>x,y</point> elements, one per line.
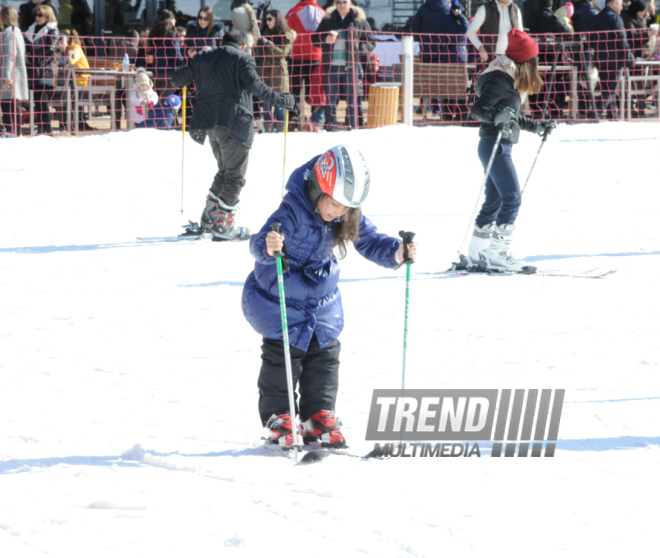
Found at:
<point>13,75</point>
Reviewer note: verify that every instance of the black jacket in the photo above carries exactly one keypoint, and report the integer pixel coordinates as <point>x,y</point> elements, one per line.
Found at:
<point>225,80</point>
<point>612,48</point>
<point>584,13</point>
<point>544,21</point>
<point>495,91</point>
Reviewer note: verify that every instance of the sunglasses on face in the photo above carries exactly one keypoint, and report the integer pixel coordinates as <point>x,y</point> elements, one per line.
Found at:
<point>203,18</point>
<point>340,3</point>
<point>270,19</point>
<point>39,15</point>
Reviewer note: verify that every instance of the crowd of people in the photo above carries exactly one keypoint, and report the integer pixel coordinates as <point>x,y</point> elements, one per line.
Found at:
<point>327,52</point>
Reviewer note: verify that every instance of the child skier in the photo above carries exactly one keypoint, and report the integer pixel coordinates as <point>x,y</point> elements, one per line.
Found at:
<point>320,212</point>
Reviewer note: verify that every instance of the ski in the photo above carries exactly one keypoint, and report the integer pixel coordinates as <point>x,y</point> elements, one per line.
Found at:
<point>463,268</point>
<point>192,231</point>
<point>313,453</point>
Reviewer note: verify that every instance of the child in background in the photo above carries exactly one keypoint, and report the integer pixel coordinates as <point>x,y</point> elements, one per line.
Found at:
<point>143,98</point>
<point>76,57</point>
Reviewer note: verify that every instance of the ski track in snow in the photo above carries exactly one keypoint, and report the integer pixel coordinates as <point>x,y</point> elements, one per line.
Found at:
<point>128,423</point>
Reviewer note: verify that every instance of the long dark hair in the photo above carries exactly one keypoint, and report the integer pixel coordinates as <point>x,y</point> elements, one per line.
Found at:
<point>527,78</point>
<point>281,26</point>
<point>208,12</point>
<point>163,27</point>
<point>347,230</point>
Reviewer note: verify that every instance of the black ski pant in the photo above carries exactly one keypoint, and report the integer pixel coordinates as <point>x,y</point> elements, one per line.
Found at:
<point>315,373</point>
<point>232,158</point>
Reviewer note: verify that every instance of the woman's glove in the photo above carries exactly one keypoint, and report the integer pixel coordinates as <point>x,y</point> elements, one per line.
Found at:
<point>544,128</point>
<point>503,117</point>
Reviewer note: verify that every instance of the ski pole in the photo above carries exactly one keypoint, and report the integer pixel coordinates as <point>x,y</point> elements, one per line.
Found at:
<point>407,239</point>
<point>545,137</point>
<point>286,132</point>
<point>183,142</point>
<point>287,355</point>
<point>483,185</point>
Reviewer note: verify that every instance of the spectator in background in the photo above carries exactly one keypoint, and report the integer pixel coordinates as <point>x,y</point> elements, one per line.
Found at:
<point>305,67</point>
<point>271,51</point>
<point>583,12</point>
<point>454,27</point>
<point>343,57</point>
<point>13,76</point>
<point>636,19</point>
<point>565,13</point>
<point>42,38</point>
<point>429,21</point>
<point>26,12</point>
<point>612,53</point>
<point>456,24</point>
<point>493,21</point>
<point>204,34</point>
<point>75,56</point>
<point>167,52</point>
<point>82,19</point>
<point>544,22</point>
<point>143,98</point>
<point>244,20</point>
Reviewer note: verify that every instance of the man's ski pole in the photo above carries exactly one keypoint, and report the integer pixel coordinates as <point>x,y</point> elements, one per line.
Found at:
<point>297,443</point>
<point>483,185</point>
<point>286,132</point>
<point>545,137</point>
<point>407,239</point>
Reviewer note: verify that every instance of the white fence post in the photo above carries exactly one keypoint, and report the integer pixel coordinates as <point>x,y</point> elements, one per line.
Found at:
<point>407,50</point>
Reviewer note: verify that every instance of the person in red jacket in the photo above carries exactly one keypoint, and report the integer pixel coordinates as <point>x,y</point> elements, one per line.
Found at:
<point>305,67</point>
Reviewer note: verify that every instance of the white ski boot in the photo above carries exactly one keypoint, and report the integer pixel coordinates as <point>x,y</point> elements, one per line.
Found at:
<point>499,256</point>
<point>481,238</point>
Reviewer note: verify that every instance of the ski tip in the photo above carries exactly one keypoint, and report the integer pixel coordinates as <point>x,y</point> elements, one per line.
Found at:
<point>315,455</point>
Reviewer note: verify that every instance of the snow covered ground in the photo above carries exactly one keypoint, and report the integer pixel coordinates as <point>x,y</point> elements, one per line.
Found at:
<point>128,421</point>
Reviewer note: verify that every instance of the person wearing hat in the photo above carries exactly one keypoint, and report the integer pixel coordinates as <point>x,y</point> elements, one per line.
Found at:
<point>501,92</point>
<point>143,98</point>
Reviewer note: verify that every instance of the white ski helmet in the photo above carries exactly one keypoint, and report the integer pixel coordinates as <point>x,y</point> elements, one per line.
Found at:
<point>341,173</point>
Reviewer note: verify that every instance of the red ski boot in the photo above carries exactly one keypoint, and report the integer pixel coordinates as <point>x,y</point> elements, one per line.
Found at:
<point>281,432</point>
<point>326,426</point>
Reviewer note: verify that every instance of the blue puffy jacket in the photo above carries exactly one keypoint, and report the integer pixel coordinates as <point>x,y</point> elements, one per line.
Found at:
<point>312,298</point>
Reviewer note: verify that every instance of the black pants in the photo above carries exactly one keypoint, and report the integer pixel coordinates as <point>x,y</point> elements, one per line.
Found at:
<point>232,158</point>
<point>11,116</point>
<point>315,372</point>
<point>42,96</point>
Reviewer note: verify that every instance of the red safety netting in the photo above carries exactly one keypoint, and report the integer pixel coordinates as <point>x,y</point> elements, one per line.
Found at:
<point>52,82</point>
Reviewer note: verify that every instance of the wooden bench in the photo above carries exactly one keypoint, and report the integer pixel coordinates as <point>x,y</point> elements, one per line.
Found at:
<point>450,82</point>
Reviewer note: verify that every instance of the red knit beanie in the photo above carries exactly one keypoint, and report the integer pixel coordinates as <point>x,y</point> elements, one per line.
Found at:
<point>521,46</point>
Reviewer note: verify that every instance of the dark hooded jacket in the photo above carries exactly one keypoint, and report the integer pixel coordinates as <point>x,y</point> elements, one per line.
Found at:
<point>225,80</point>
<point>610,44</point>
<point>583,14</point>
<point>429,21</point>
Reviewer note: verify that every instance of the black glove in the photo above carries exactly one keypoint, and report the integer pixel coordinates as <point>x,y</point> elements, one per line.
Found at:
<point>545,128</point>
<point>289,103</point>
<point>504,117</point>
<point>262,41</point>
